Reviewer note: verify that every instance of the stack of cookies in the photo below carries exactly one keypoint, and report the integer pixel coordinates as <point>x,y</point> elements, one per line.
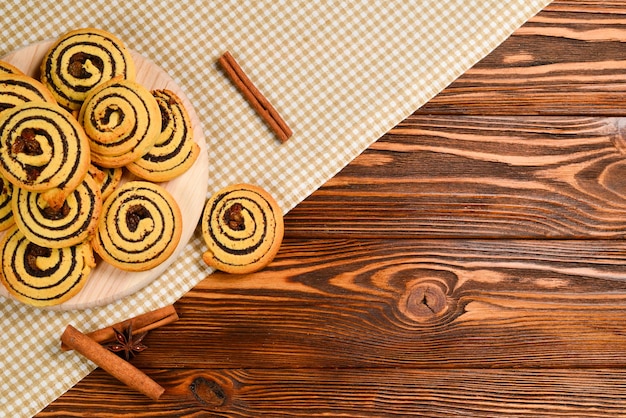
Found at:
<point>65,140</point>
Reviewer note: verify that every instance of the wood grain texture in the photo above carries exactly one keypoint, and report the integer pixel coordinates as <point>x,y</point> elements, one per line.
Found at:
<point>360,393</point>
<point>478,176</point>
<point>567,60</point>
<point>470,263</point>
<point>409,303</point>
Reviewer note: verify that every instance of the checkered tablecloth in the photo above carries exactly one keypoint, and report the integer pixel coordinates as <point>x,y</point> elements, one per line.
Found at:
<point>341,74</point>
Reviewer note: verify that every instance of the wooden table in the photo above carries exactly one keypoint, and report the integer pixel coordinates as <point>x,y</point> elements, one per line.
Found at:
<point>471,262</point>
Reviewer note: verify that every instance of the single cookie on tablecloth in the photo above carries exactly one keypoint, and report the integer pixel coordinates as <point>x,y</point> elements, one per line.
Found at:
<point>42,276</point>
<point>17,89</point>
<point>175,150</point>
<point>43,149</point>
<point>82,59</point>
<point>140,226</point>
<point>107,178</point>
<point>8,68</point>
<point>71,224</point>
<point>242,226</point>
<point>122,120</point>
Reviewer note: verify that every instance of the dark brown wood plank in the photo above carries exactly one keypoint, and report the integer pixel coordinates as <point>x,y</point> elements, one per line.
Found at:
<point>482,177</point>
<point>407,304</point>
<point>357,393</point>
<point>570,59</point>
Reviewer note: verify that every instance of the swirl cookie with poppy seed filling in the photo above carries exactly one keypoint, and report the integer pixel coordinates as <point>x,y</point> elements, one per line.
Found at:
<point>82,59</point>
<point>18,89</point>
<point>6,209</point>
<point>140,226</point>
<point>43,149</point>
<point>175,150</point>
<point>242,226</point>
<point>107,178</point>
<point>72,223</point>
<point>41,276</point>
<point>122,121</point>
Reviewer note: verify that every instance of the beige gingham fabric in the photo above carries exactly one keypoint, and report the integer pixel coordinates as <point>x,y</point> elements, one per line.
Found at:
<point>341,73</point>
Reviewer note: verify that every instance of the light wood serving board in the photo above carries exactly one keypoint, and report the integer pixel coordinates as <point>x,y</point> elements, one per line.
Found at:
<point>107,283</point>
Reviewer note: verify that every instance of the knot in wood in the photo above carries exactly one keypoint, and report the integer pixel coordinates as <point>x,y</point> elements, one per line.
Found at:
<point>612,178</point>
<point>208,392</point>
<point>424,301</point>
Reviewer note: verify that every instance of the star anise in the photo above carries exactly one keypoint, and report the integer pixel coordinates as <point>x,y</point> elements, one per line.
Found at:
<point>127,343</point>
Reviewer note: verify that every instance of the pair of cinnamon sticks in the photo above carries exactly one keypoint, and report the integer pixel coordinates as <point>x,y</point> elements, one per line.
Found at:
<point>89,345</point>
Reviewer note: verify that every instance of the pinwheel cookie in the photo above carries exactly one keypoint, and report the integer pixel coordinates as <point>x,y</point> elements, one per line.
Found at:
<point>122,121</point>
<point>71,224</point>
<point>107,178</point>
<point>17,89</point>
<point>175,150</point>
<point>82,59</point>
<point>242,226</point>
<point>42,276</point>
<point>6,210</point>
<point>140,226</point>
<point>43,149</point>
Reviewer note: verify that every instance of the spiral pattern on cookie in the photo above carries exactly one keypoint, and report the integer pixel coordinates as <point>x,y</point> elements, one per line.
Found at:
<point>122,121</point>
<point>139,228</point>
<point>68,225</point>
<point>82,59</point>
<point>107,178</point>
<point>175,150</point>
<point>43,276</point>
<point>43,148</point>
<point>6,210</point>
<point>242,226</point>
<point>19,89</point>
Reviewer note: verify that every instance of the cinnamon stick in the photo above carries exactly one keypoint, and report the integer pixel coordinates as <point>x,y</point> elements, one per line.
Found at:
<point>111,363</point>
<point>256,99</point>
<point>140,323</point>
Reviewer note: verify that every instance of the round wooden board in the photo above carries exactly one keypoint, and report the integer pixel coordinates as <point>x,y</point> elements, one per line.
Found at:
<point>106,283</point>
